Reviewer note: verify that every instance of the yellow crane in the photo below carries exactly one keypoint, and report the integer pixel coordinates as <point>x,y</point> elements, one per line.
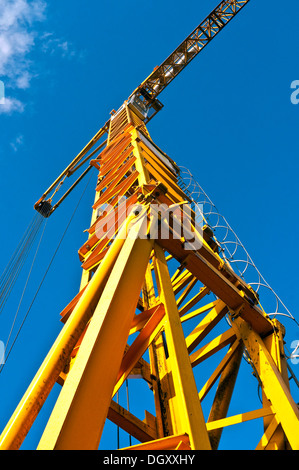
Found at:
<point>149,264</point>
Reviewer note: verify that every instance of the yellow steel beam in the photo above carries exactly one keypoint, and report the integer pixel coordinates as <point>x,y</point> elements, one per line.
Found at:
<point>214,278</point>
<point>143,177</point>
<point>212,347</point>
<point>223,395</point>
<point>274,344</point>
<point>200,295</point>
<point>140,320</point>
<point>155,166</point>
<point>48,373</point>
<point>198,311</point>
<point>161,387</point>
<point>268,434</point>
<point>81,409</point>
<point>186,291</point>
<point>206,325</point>
<point>77,159</point>
<point>142,431</point>
<point>148,291</point>
<point>240,418</point>
<point>274,385</point>
<point>158,365</point>
<point>182,281</point>
<point>140,345</point>
<point>214,376</point>
<point>165,443</point>
<point>189,412</point>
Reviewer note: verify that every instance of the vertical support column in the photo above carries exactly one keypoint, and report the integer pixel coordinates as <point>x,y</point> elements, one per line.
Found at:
<point>143,177</point>
<point>274,344</point>
<point>274,386</point>
<point>161,386</point>
<point>223,394</point>
<point>86,275</point>
<point>158,367</point>
<point>80,412</point>
<point>189,412</point>
<point>48,373</point>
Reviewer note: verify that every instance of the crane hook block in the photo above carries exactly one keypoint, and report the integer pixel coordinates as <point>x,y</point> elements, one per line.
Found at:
<point>44,208</point>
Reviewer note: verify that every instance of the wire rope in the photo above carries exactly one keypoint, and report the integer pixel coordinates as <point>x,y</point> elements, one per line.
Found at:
<point>44,276</point>
<point>128,407</point>
<point>23,293</point>
<point>17,261</point>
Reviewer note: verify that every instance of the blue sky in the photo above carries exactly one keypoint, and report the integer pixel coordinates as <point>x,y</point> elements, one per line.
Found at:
<point>228,118</point>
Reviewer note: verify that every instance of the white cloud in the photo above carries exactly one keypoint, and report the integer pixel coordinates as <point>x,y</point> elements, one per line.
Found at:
<point>13,11</point>
<point>51,45</point>
<point>17,142</point>
<point>23,81</point>
<point>10,105</point>
<point>18,38</point>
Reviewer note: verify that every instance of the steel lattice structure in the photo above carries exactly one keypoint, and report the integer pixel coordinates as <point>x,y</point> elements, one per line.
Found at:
<point>156,248</point>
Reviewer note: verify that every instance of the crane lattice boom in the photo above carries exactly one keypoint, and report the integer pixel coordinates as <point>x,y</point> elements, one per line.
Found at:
<point>144,98</point>
<point>148,91</point>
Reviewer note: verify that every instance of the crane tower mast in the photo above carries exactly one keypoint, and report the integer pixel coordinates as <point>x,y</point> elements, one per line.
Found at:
<point>157,302</point>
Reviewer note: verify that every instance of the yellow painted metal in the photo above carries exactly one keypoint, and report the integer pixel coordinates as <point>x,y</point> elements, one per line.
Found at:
<point>143,431</point>
<point>79,415</point>
<point>105,314</point>
<point>240,418</point>
<point>190,304</point>
<point>166,443</point>
<point>158,366</point>
<point>86,275</point>
<point>144,177</point>
<point>198,311</point>
<point>161,173</point>
<point>223,395</point>
<point>76,160</point>
<point>161,387</point>
<point>274,386</point>
<point>212,347</point>
<point>140,345</point>
<point>114,276</point>
<point>274,344</point>
<point>268,435</point>
<point>189,412</point>
<point>28,408</point>
<point>206,325</point>
<point>221,366</point>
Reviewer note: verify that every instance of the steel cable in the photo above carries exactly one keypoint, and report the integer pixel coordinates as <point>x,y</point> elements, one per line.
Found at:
<point>45,274</point>
<point>22,296</point>
<point>17,261</point>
